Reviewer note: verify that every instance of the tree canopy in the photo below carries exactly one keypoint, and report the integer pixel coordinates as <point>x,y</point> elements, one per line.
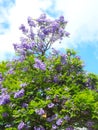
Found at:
<point>46,91</point>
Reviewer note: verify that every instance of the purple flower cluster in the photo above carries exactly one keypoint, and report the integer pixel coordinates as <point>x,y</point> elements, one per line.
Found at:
<point>54,127</point>
<point>19,94</point>
<point>4,90</point>
<point>53,117</point>
<point>24,47</point>
<point>42,32</point>
<point>31,22</point>
<point>23,28</point>
<point>4,99</point>
<point>89,84</point>
<point>55,79</point>
<point>5,114</point>
<point>23,85</point>
<point>24,105</point>
<point>50,105</point>
<point>39,128</point>
<point>39,64</point>
<point>67,118</point>
<point>89,124</point>
<point>63,59</point>
<point>59,122</point>
<point>11,71</point>
<point>21,125</point>
<point>40,111</point>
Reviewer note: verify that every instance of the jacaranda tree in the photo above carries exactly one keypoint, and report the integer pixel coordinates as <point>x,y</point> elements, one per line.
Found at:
<point>46,90</point>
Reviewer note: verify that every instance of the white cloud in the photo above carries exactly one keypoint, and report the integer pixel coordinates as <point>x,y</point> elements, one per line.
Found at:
<point>81,14</point>
<point>83,19</point>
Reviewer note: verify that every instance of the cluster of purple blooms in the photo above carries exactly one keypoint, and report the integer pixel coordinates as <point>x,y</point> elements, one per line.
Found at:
<point>21,125</point>
<point>39,41</point>
<point>4,99</point>
<point>39,64</point>
<point>50,105</point>
<point>53,117</point>
<point>5,114</point>
<point>19,94</point>
<point>40,111</point>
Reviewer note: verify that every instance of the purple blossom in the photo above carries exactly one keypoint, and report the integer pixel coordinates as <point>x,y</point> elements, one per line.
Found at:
<point>89,124</point>
<point>42,19</point>
<point>23,54</point>
<point>41,35</point>
<point>67,118</point>
<point>62,21</point>
<point>39,64</point>
<point>61,32</point>
<point>5,114</point>
<point>59,122</point>
<point>50,119</point>
<point>31,22</point>
<point>19,94</point>
<point>67,34</point>
<point>55,26</point>
<point>32,44</point>
<point>24,105</point>
<point>15,46</point>
<point>11,71</point>
<point>39,128</point>
<point>55,116</point>
<point>55,79</point>
<point>25,45</point>
<point>54,127</point>
<point>63,59</point>
<point>31,35</point>
<point>25,69</point>
<point>22,58</point>
<point>40,111</point>
<point>23,28</point>
<point>43,16</point>
<point>23,85</point>
<point>50,105</point>
<point>21,125</point>
<point>40,46</point>
<point>70,128</point>
<point>58,68</point>
<point>46,31</point>
<point>4,99</point>
<point>4,90</point>
<point>61,18</point>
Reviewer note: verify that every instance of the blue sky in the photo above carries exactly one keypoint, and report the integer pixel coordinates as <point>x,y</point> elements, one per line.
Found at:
<point>82,17</point>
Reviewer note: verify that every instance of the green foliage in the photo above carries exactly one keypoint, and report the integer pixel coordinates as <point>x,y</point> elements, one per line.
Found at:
<point>64,85</point>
